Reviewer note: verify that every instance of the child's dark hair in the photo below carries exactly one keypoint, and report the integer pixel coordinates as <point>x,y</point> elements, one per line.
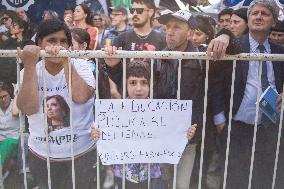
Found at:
<point>81,36</point>
<point>50,26</point>
<point>138,68</point>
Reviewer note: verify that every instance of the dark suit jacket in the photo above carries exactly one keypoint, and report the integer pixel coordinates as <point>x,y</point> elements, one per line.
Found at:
<point>222,79</point>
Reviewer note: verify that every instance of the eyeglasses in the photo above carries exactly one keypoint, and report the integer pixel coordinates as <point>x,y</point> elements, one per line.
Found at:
<point>97,19</point>
<point>138,10</point>
<point>4,97</point>
<point>4,19</point>
<point>116,14</point>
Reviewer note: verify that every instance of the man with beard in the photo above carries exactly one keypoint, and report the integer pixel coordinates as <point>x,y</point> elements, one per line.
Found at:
<point>141,38</point>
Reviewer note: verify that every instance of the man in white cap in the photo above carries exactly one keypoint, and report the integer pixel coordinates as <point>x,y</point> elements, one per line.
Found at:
<point>179,26</point>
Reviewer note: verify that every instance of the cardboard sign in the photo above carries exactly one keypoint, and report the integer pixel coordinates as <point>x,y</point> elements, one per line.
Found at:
<point>142,131</point>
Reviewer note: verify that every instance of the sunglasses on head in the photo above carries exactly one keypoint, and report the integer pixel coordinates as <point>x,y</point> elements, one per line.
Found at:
<point>138,10</point>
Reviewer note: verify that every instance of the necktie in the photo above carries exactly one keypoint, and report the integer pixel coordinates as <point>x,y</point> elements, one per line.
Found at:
<point>264,78</point>
<point>265,122</point>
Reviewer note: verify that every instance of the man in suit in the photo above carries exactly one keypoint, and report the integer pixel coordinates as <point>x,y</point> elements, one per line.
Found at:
<point>262,15</point>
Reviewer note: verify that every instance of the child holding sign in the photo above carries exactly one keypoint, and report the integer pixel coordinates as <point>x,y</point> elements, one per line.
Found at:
<point>138,87</point>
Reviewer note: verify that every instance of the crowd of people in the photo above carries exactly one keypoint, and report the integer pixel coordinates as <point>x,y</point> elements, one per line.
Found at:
<point>143,27</point>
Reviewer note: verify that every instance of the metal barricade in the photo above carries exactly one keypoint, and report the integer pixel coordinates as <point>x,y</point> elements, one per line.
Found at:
<point>159,55</point>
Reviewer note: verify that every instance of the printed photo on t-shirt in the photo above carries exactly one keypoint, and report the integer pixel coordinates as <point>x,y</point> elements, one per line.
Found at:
<point>58,113</point>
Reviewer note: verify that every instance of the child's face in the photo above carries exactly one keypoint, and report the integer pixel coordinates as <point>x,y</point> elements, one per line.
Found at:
<point>138,87</point>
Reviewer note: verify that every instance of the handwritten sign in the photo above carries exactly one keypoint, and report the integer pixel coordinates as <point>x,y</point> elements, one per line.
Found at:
<point>142,131</point>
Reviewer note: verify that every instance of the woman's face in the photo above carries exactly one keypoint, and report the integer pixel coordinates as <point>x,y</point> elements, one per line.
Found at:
<point>7,21</point>
<point>98,21</point>
<point>15,29</point>
<point>79,14</point>
<point>54,111</point>
<point>199,37</point>
<point>5,99</point>
<point>238,25</point>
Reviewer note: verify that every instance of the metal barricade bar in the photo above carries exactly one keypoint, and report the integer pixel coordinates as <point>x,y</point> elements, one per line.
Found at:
<point>160,55</point>
<point>153,54</point>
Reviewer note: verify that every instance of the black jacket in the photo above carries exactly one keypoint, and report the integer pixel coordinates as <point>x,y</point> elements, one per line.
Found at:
<point>192,84</point>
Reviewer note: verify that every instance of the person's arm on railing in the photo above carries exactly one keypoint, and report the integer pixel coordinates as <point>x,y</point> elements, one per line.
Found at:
<point>114,66</point>
<point>81,91</point>
<point>112,62</point>
<point>224,43</point>
<point>27,100</point>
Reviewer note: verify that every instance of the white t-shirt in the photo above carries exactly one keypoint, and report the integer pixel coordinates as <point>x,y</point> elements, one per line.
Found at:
<point>9,124</point>
<point>60,139</point>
